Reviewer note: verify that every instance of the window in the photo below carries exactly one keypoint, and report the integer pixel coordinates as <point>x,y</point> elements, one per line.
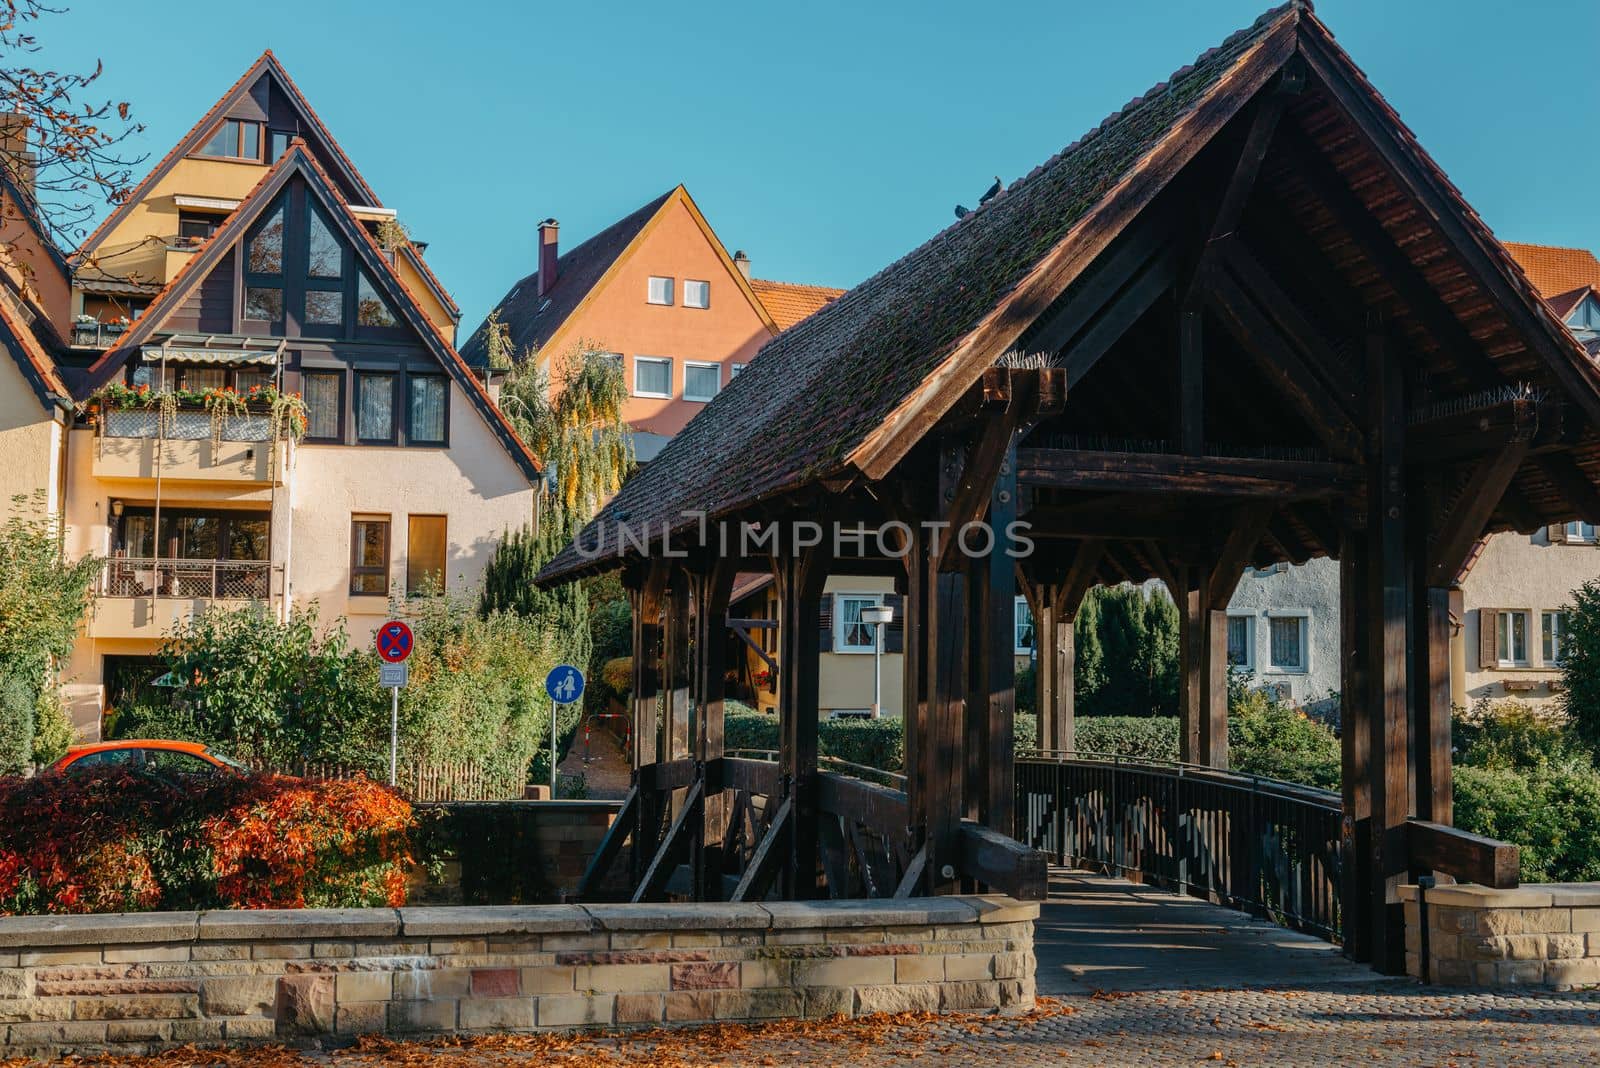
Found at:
<point>375,407</point>
<point>371,310</point>
<point>324,397</point>
<point>195,226</point>
<point>263,304</point>
<point>696,294</point>
<point>1022,638</point>
<point>1511,641</point>
<point>734,369</point>
<point>326,259</point>
<point>369,556</point>
<point>1242,642</point>
<point>234,139</point>
<point>1288,643</point>
<point>850,633</point>
<point>611,357</point>
<point>1580,532</point>
<point>701,381</point>
<point>429,396</point>
<point>425,552</point>
<point>652,376</point>
<point>264,255</point>
<point>200,379</point>
<point>659,290</point>
<point>277,144</point>
<point>1555,629</point>
<point>324,307</point>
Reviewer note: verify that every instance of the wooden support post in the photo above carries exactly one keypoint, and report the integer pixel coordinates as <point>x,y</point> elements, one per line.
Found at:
<point>1214,720</point>
<point>1355,738</point>
<point>674,744</point>
<point>710,586</point>
<point>1386,631</point>
<point>1191,380</point>
<point>991,698</point>
<point>1431,723</point>
<point>1193,623</point>
<point>800,578</point>
<point>645,588</point>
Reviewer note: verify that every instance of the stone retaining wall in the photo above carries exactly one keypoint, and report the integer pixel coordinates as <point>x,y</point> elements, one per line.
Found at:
<point>1537,935</point>
<point>141,981</point>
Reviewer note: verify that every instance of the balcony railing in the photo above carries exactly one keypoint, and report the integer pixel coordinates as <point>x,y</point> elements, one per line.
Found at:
<point>184,426</point>
<point>127,576</point>
<point>97,335</point>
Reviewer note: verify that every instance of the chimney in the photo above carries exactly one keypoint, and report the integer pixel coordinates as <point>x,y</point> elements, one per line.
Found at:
<point>548,252</point>
<point>741,261</point>
<point>16,154</point>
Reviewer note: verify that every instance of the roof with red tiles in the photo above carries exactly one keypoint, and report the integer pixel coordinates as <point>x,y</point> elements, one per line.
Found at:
<point>1554,270</point>
<point>31,359</point>
<point>790,302</point>
<point>299,160</point>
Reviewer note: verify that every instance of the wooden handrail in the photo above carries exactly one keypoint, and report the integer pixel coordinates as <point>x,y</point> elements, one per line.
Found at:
<point>1462,854</point>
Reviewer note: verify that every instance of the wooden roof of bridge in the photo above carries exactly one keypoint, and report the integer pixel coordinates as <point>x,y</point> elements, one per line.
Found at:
<point>846,394</point>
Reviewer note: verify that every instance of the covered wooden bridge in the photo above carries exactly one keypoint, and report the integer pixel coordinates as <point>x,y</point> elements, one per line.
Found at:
<point>1246,319</point>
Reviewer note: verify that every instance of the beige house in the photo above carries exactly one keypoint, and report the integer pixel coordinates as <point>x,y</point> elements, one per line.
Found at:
<point>251,283</point>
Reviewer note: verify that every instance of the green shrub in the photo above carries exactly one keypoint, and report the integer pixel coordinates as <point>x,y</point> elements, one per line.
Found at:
<point>745,728</point>
<point>1140,737</point>
<point>1126,653</point>
<point>1025,731</point>
<point>52,731</point>
<point>1270,738</point>
<point>1550,815</point>
<point>1512,736</point>
<point>874,743</point>
<point>1027,691</point>
<point>1580,664</point>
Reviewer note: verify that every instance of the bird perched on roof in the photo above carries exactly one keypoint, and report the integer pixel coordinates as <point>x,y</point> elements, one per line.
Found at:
<point>994,191</point>
<point>962,212</point>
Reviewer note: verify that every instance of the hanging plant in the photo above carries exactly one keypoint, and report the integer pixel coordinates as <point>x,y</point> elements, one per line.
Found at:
<point>223,404</point>
<point>286,412</point>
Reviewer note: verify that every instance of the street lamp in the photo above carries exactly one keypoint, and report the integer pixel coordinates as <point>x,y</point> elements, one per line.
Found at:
<point>876,617</point>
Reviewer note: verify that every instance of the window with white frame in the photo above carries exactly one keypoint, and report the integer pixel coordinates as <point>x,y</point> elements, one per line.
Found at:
<point>1554,627</point>
<point>701,381</point>
<point>1580,532</point>
<point>1022,636</point>
<point>1287,649</point>
<point>659,290</point>
<point>851,633</point>
<point>1242,642</point>
<point>611,357</point>
<point>696,294</point>
<point>734,369</point>
<point>1511,642</point>
<point>652,376</point>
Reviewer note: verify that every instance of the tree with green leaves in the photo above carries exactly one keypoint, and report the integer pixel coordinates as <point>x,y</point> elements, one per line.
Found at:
<point>43,600</point>
<point>570,414</point>
<point>1580,664</point>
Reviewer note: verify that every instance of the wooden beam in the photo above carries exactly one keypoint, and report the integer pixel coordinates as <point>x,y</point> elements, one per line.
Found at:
<point>610,846</point>
<point>711,584</point>
<point>911,882</point>
<point>758,875</point>
<point>1002,863</point>
<point>1191,379</point>
<point>741,629</point>
<point>1355,739</point>
<point>1108,523</point>
<point>1469,857</point>
<point>1278,359</point>
<point>1095,288</point>
<point>991,691</point>
<point>1123,311</point>
<point>1570,481</point>
<point>982,465</point>
<point>1080,577</point>
<point>1244,534</point>
<point>674,847</point>
<point>1211,476</point>
<point>1470,513</point>
<point>800,580</point>
<point>1344,381</point>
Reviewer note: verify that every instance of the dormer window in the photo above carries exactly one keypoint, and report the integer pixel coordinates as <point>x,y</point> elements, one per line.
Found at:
<point>234,139</point>
<point>371,310</point>
<point>263,270</point>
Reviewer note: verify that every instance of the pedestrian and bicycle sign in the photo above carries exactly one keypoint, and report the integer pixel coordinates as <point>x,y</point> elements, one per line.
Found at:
<point>394,641</point>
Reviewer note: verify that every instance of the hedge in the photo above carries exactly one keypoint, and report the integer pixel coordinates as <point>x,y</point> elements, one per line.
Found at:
<point>115,841</point>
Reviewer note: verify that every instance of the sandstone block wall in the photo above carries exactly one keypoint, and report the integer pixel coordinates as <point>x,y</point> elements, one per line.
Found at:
<point>1538,935</point>
<point>138,982</point>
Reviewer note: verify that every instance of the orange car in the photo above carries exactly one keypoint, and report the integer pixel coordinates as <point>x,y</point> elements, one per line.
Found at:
<point>148,754</point>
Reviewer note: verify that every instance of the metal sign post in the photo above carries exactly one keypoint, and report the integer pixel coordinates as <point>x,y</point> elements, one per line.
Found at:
<point>564,684</point>
<point>394,641</point>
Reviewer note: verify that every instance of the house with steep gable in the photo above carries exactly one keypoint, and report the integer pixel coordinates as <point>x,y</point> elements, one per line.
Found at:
<point>659,292</point>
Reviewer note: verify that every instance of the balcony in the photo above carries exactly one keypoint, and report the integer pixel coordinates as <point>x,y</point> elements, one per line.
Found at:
<point>130,444</point>
<point>95,335</point>
<point>148,598</point>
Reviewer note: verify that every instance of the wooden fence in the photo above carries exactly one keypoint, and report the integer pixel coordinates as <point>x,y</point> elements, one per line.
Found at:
<point>422,780</point>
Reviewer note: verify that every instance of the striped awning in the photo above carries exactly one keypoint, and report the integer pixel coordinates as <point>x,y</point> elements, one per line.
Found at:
<point>230,351</point>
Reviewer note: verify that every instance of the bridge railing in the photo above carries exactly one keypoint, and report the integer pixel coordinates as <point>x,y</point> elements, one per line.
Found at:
<point>1267,847</point>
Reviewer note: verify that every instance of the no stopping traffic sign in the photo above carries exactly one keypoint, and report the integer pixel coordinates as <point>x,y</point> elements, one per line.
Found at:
<point>394,641</point>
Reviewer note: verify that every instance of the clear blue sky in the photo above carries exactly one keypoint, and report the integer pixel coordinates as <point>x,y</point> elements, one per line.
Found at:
<point>825,138</point>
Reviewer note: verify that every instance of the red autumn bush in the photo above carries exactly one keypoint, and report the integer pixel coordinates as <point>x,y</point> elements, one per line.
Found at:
<point>116,841</point>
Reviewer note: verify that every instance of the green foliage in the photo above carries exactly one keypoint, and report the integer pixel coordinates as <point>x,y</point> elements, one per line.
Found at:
<point>1139,737</point>
<point>1126,653</point>
<point>1550,815</point>
<point>873,743</point>
<point>1275,740</point>
<point>281,693</point>
<point>1027,690</point>
<point>1580,664</point>
<point>43,599</point>
<point>508,587</point>
<point>52,730</point>
<point>745,728</point>
<point>1512,736</point>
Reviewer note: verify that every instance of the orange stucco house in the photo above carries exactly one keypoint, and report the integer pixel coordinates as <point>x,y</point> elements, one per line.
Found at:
<point>660,291</point>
